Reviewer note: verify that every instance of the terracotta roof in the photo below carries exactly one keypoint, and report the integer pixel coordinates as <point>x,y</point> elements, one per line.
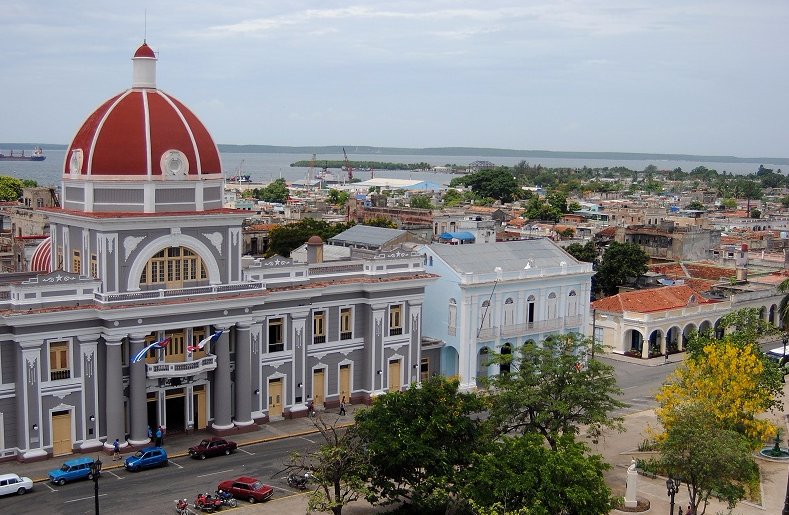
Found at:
<point>260,227</point>
<point>608,232</point>
<point>651,300</point>
<point>694,271</point>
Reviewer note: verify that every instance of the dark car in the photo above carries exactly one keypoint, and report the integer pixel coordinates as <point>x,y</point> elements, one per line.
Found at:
<point>213,447</point>
<point>247,488</point>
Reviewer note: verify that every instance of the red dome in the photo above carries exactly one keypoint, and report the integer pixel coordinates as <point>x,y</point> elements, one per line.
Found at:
<point>142,132</point>
<point>41,261</point>
<point>145,51</point>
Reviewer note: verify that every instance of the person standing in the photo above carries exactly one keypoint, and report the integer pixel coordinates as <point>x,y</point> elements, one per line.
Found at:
<point>116,450</point>
<point>342,406</point>
<point>159,436</point>
<point>680,510</point>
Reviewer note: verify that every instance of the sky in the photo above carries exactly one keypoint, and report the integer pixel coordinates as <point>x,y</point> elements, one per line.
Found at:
<point>664,76</point>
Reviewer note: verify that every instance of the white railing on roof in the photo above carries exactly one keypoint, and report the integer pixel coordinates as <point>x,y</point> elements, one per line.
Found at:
<point>525,273</point>
<point>181,369</point>
<point>197,291</point>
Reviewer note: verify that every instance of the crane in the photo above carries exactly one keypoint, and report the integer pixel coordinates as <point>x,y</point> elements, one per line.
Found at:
<point>348,167</point>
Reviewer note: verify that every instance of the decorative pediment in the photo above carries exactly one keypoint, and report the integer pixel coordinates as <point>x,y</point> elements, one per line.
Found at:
<point>56,277</point>
<point>276,261</point>
<point>399,253</point>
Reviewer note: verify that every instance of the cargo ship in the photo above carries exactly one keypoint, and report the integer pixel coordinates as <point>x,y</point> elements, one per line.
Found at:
<point>36,155</point>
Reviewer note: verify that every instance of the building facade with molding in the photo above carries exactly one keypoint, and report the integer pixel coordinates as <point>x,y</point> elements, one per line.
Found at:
<point>142,251</point>
<point>491,298</point>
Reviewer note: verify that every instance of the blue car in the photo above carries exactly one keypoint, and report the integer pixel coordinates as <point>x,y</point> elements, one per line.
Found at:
<point>146,458</point>
<point>72,470</point>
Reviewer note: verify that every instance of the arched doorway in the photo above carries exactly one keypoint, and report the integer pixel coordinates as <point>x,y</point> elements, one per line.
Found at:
<point>656,343</point>
<point>774,315</point>
<point>689,330</point>
<point>705,327</point>
<point>506,350</point>
<point>634,342</point>
<point>719,330</point>
<point>673,339</point>
<point>483,364</point>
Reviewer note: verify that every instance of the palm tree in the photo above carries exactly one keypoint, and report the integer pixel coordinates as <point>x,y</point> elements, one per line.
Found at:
<point>783,307</point>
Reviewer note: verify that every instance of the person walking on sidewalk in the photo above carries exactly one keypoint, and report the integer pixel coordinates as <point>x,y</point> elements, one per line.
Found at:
<point>342,406</point>
<point>159,436</point>
<point>116,450</point>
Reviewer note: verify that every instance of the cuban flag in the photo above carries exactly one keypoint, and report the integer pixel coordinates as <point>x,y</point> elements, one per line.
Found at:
<point>161,344</point>
<point>202,343</point>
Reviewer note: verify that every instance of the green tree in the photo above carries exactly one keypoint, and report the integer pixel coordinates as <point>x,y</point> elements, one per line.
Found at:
<point>785,201</point>
<point>586,252</point>
<point>276,191</point>
<point>285,238</point>
<point>729,203</point>
<point>548,390</point>
<point>710,459</point>
<point>339,468</point>
<point>537,209</point>
<point>10,188</point>
<point>522,474</point>
<point>696,206</point>
<point>338,198</point>
<point>557,200</point>
<point>452,198</point>
<point>420,202</point>
<point>572,207</point>
<point>420,440</point>
<point>498,184</point>
<point>381,221</point>
<point>620,262</point>
<point>756,213</point>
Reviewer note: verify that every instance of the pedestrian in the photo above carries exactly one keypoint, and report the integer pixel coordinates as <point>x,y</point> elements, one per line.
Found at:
<point>666,362</point>
<point>116,450</point>
<point>150,433</point>
<point>680,510</point>
<point>159,436</point>
<point>164,432</point>
<point>310,409</point>
<point>342,406</point>
<point>690,510</point>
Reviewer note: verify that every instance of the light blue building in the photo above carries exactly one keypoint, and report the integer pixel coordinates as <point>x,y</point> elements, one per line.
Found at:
<point>491,298</point>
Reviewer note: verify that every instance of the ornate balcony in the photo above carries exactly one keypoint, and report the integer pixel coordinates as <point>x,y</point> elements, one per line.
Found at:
<point>181,369</point>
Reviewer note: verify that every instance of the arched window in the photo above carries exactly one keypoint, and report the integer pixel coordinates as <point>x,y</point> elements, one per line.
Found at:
<point>572,303</point>
<point>453,313</point>
<point>485,315</point>
<point>172,267</point>
<point>530,310</point>
<point>552,313</point>
<point>506,350</point>
<point>509,312</point>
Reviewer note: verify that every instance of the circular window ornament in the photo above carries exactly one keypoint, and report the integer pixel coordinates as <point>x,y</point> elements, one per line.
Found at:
<point>174,164</point>
<point>75,163</point>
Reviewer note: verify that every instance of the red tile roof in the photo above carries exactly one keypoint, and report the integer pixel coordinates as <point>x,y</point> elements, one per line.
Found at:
<point>693,271</point>
<point>651,300</point>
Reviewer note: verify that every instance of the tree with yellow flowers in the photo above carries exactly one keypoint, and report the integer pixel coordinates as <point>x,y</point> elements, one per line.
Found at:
<point>709,410</point>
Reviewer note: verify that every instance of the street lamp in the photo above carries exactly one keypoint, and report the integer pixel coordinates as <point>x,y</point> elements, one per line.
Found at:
<point>95,470</point>
<point>672,486</point>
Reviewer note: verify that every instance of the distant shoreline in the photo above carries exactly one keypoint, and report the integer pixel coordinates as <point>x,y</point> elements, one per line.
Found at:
<point>460,151</point>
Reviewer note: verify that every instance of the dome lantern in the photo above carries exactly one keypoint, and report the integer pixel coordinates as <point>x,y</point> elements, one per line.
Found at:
<point>144,67</point>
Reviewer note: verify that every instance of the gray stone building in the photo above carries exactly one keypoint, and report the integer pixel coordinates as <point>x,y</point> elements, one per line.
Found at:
<point>142,251</point>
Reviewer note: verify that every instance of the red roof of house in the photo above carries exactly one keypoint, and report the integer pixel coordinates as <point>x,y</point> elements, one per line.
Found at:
<point>694,271</point>
<point>652,300</point>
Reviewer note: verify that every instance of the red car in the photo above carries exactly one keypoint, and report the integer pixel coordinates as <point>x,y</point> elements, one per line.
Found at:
<point>247,488</point>
<point>213,447</point>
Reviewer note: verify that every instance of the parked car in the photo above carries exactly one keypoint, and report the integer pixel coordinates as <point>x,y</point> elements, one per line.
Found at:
<point>146,458</point>
<point>13,484</point>
<point>72,470</point>
<point>212,447</point>
<point>247,488</point>
<point>777,355</point>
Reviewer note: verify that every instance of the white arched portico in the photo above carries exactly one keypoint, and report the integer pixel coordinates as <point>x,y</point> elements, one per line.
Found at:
<point>674,340</point>
<point>173,240</point>
<point>687,332</point>
<point>634,341</point>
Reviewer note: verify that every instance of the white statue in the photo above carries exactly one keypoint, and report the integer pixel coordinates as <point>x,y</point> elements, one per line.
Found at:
<point>632,486</point>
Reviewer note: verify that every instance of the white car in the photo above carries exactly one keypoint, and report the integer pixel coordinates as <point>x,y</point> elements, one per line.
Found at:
<point>13,484</point>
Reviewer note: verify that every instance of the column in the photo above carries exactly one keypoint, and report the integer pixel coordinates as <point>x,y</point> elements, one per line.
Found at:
<point>30,433</point>
<point>243,391</point>
<point>415,347</point>
<point>138,409</point>
<point>221,384</point>
<point>113,393</point>
<point>88,354</point>
<point>256,339</point>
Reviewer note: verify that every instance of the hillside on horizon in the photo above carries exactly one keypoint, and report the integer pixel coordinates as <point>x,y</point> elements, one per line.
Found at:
<point>454,151</point>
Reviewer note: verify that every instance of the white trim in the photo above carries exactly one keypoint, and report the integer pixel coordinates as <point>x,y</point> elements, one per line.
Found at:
<point>172,240</point>
<point>188,130</point>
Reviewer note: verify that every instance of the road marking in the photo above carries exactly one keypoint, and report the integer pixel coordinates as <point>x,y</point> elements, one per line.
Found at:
<point>311,441</point>
<point>215,473</point>
<point>113,473</point>
<point>82,499</point>
<point>244,450</point>
<point>47,485</point>
<point>174,463</point>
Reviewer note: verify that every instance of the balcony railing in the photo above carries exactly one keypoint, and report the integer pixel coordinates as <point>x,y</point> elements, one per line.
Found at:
<point>182,369</point>
<point>197,291</point>
<point>487,333</point>
<point>573,321</point>
<point>516,329</point>
<point>451,330</point>
<point>57,375</point>
<point>395,331</point>
<point>346,335</point>
<point>321,338</point>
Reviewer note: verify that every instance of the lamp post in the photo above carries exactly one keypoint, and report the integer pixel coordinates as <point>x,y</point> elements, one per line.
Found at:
<point>672,486</point>
<point>95,470</point>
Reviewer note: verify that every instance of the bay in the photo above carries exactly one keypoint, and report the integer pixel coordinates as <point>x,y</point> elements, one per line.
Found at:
<point>264,168</point>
